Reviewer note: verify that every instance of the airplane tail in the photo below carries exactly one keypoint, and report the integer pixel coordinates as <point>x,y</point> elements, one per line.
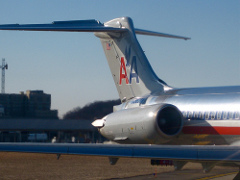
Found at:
<point>130,68</point>
<point>131,71</point>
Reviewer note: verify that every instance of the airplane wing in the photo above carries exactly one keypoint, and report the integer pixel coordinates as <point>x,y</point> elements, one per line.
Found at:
<point>211,153</point>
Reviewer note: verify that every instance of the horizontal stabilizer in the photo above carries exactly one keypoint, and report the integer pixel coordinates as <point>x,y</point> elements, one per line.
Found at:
<point>152,33</point>
<point>67,26</point>
<point>81,26</point>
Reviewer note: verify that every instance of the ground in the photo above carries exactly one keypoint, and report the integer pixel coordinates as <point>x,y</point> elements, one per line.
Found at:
<point>46,166</point>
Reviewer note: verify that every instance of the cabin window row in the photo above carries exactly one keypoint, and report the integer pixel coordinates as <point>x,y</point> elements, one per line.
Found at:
<point>210,115</point>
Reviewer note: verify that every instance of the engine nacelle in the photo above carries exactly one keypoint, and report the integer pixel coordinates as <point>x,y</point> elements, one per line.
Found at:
<point>147,124</point>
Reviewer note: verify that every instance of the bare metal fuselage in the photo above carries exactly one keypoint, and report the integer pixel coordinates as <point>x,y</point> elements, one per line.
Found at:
<point>211,116</point>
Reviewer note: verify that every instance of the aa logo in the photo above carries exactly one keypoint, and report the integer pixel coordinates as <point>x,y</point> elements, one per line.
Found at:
<point>133,73</point>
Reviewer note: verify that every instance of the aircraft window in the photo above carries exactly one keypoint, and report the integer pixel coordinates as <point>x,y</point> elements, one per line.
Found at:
<point>189,115</point>
<point>224,115</point>
<point>184,113</point>
<point>206,115</point>
<point>230,115</point>
<point>212,115</point>
<point>236,115</point>
<point>219,115</point>
<point>134,101</point>
<point>195,115</point>
<point>143,101</point>
<point>201,115</point>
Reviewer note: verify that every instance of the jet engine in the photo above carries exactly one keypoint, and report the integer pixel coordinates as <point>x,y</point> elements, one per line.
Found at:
<point>158,123</point>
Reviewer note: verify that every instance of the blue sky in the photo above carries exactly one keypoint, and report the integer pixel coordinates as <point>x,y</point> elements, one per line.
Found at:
<point>72,66</point>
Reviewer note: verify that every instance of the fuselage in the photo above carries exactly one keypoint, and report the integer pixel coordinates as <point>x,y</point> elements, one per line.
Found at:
<point>211,116</point>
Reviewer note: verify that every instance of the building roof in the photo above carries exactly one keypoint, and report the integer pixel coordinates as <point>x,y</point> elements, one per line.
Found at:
<point>45,124</point>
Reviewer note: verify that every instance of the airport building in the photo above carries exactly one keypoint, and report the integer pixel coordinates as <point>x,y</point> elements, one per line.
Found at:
<point>27,117</point>
<point>33,104</point>
<point>48,130</point>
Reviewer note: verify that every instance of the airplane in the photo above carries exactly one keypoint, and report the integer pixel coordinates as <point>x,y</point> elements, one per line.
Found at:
<point>154,120</point>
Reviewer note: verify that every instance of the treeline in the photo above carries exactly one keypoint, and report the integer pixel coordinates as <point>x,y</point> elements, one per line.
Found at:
<point>95,110</point>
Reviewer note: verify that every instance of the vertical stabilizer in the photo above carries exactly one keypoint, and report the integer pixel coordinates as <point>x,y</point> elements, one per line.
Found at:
<point>131,71</point>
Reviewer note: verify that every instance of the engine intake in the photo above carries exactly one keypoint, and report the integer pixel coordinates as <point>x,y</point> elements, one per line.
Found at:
<point>169,120</point>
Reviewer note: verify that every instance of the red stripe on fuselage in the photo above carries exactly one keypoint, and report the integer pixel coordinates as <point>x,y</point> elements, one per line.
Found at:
<point>217,130</point>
